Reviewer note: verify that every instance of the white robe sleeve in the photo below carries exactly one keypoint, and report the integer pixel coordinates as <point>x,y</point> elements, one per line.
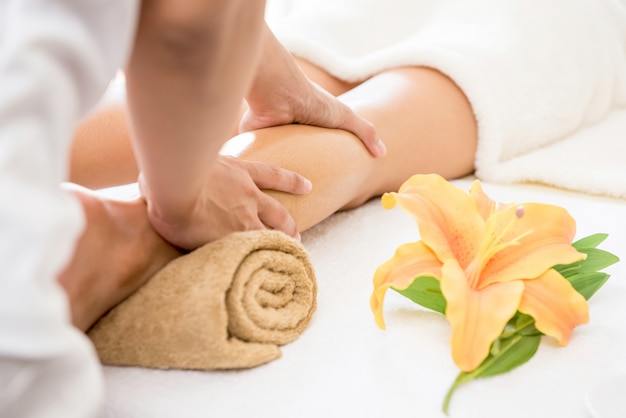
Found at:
<point>56,58</point>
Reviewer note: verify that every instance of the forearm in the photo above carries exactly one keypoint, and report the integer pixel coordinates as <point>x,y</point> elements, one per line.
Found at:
<point>186,77</point>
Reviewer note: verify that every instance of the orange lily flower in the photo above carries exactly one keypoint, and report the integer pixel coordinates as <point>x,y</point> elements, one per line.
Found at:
<point>491,260</point>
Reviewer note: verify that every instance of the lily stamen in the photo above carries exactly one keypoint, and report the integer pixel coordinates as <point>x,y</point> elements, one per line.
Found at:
<point>490,247</point>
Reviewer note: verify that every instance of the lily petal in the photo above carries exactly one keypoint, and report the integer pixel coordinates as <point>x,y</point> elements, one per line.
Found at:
<point>555,305</point>
<point>446,216</point>
<point>409,262</point>
<point>477,317</point>
<point>539,239</point>
<point>484,204</point>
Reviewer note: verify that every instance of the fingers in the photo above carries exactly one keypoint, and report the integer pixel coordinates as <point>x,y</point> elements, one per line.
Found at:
<point>262,212</point>
<point>271,177</point>
<point>247,206</point>
<point>275,216</point>
<point>363,129</point>
<point>271,212</point>
<point>341,116</point>
<point>268,213</point>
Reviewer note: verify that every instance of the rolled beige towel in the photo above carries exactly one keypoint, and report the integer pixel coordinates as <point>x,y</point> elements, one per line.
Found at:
<point>227,305</point>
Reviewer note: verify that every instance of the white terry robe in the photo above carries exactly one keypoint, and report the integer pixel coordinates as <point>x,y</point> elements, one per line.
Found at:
<point>540,75</point>
<point>56,58</point>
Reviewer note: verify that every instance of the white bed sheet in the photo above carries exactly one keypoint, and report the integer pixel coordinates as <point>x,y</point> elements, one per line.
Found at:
<point>343,365</point>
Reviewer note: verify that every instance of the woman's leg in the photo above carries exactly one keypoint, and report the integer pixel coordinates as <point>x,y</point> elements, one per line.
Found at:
<point>101,153</point>
<point>423,117</point>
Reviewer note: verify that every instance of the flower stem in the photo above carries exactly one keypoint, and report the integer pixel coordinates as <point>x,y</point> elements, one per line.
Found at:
<point>462,378</point>
<point>465,377</point>
<point>448,398</point>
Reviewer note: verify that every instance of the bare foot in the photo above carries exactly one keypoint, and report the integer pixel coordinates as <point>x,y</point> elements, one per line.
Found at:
<point>117,253</point>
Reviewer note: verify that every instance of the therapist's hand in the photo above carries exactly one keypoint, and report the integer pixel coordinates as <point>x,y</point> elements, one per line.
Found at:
<point>281,94</point>
<point>233,201</point>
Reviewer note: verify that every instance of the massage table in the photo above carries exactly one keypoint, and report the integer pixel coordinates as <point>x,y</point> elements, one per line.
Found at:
<point>343,365</point>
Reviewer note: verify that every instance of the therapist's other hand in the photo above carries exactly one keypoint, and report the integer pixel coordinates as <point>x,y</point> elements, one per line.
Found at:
<point>281,94</point>
<point>233,201</point>
<point>310,106</point>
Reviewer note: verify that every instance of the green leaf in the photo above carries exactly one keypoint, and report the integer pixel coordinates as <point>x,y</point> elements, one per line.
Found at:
<point>588,283</point>
<point>592,241</point>
<point>513,353</point>
<point>585,275</point>
<point>425,291</point>
<point>596,260</point>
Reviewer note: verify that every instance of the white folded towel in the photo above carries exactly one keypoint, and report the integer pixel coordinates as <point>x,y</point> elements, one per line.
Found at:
<point>546,79</point>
